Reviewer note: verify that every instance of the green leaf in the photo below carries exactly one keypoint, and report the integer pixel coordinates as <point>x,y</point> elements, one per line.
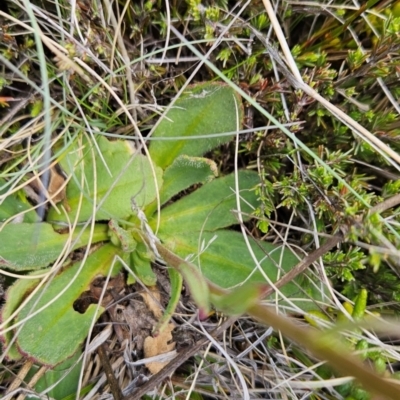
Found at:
<point>176,281</point>
<point>204,109</point>
<point>14,297</point>
<point>210,207</point>
<point>136,181</point>
<point>121,237</point>
<point>56,333</point>
<point>142,267</point>
<point>26,246</point>
<point>184,172</point>
<point>66,374</point>
<point>193,278</point>
<point>240,299</point>
<point>226,261</point>
<point>14,204</point>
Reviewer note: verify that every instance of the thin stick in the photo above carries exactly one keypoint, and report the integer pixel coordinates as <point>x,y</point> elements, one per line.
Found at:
<point>112,381</point>
<point>306,262</point>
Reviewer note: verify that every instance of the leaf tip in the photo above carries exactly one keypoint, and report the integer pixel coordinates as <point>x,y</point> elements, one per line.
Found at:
<point>203,314</point>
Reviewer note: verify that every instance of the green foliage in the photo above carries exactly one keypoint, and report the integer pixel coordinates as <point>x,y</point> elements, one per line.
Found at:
<point>58,317</point>
<point>342,264</point>
<point>15,204</point>
<point>108,174</point>
<point>27,247</point>
<point>204,110</point>
<point>192,226</point>
<point>210,207</point>
<point>341,54</point>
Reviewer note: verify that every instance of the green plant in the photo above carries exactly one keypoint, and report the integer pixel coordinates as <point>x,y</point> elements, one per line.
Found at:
<point>71,72</point>
<point>123,190</point>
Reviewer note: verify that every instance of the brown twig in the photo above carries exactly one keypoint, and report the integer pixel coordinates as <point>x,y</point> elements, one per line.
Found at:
<point>386,204</point>
<point>112,381</point>
<point>306,262</point>
<point>34,380</point>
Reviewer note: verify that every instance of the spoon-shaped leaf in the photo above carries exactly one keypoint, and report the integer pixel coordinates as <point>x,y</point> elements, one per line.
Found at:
<point>55,333</point>
<point>101,172</point>
<point>203,109</point>
<point>210,207</point>
<point>34,246</point>
<point>184,172</point>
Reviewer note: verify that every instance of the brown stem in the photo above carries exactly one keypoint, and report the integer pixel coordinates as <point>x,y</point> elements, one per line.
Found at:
<point>112,381</point>
<point>386,204</point>
<point>305,263</point>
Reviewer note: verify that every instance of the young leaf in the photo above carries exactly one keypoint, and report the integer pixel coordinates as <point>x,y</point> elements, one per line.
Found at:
<point>194,279</point>
<point>211,206</point>
<point>62,329</point>
<point>184,172</point>
<point>176,281</point>
<point>26,246</point>
<point>204,109</point>
<point>136,182</point>
<point>360,304</point>
<point>142,267</point>
<point>226,261</point>
<point>120,237</point>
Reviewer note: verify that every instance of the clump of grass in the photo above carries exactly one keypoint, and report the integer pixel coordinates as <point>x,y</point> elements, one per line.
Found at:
<point>111,69</point>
